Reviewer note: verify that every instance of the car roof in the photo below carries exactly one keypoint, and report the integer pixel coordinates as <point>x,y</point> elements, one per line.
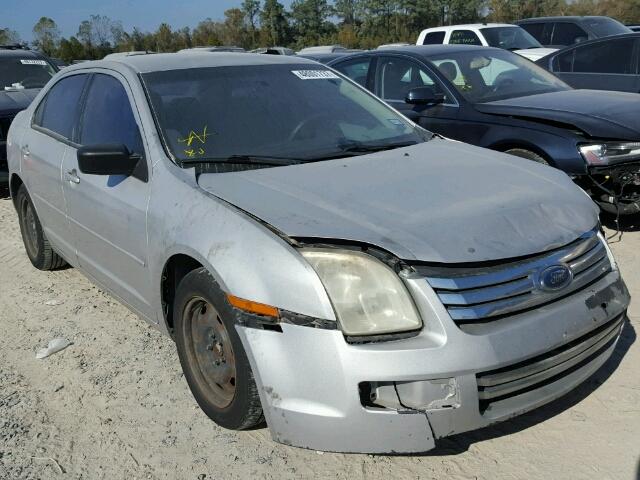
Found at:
<point>469,25</point>
<point>19,52</point>
<point>179,61</point>
<point>566,18</point>
<point>589,42</point>
<point>423,50</point>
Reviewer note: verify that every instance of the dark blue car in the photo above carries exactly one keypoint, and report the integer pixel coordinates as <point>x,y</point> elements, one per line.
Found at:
<point>496,99</point>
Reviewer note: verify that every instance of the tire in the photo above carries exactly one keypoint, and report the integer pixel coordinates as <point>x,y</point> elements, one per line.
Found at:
<point>528,154</point>
<point>213,359</point>
<point>36,244</point>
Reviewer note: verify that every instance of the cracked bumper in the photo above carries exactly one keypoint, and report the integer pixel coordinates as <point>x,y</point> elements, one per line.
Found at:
<point>309,378</point>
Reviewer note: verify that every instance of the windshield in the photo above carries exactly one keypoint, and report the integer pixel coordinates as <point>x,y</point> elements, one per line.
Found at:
<point>605,26</point>
<point>286,112</point>
<point>491,75</point>
<point>510,38</point>
<point>17,72</point>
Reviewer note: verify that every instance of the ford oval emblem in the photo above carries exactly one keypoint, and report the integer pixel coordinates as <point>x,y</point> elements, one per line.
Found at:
<point>555,277</point>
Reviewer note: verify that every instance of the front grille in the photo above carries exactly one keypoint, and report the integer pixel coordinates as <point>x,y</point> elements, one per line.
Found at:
<point>484,294</point>
<point>536,372</point>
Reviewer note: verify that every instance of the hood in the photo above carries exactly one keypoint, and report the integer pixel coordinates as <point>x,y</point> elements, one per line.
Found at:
<point>441,201</point>
<point>600,114</point>
<point>534,54</point>
<point>13,101</point>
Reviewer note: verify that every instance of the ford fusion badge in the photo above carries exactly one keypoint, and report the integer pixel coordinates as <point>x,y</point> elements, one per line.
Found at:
<point>555,277</point>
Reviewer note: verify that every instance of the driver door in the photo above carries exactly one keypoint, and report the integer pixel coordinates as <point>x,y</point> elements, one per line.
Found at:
<point>395,76</point>
<point>108,214</point>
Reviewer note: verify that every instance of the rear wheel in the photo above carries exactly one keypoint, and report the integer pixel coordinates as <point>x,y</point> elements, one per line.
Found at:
<point>39,251</point>
<point>528,154</point>
<point>213,359</point>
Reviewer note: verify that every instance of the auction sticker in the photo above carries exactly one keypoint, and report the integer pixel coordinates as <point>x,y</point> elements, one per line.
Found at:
<point>314,74</point>
<point>33,62</point>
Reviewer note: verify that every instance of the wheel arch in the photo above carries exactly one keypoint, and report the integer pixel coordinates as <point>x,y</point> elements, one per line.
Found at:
<point>503,146</point>
<point>176,267</point>
<point>14,185</point>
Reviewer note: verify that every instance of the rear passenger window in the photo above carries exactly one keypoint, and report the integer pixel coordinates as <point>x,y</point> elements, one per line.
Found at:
<point>568,34</point>
<point>108,117</point>
<point>605,57</point>
<point>534,29</point>
<point>433,38</point>
<point>357,70</point>
<point>58,111</point>
<point>464,37</point>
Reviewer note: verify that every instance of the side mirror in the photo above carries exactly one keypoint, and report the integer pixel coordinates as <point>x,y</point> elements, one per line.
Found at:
<point>424,96</point>
<point>111,160</point>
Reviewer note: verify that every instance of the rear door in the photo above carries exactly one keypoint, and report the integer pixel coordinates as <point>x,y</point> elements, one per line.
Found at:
<point>108,214</point>
<point>44,147</point>
<point>610,64</point>
<point>395,76</point>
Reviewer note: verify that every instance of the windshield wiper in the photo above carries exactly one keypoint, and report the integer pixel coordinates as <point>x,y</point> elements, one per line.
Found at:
<point>357,147</point>
<point>263,160</point>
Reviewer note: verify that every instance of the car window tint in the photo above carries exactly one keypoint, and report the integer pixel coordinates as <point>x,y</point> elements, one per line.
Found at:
<point>464,37</point>
<point>108,117</point>
<point>534,29</point>
<point>492,72</point>
<point>564,62</point>
<point>433,38</point>
<point>357,70</point>
<point>605,57</point>
<point>396,76</point>
<point>568,34</point>
<point>58,111</point>
<point>451,70</point>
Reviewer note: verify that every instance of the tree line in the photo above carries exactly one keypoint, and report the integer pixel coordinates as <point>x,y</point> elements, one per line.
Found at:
<point>351,23</point>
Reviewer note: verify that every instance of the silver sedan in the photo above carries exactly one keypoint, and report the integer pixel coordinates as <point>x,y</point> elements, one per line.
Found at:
<point>321,261</point>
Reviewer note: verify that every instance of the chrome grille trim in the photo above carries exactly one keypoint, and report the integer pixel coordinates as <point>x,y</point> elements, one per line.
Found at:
<point>526,375</point>
<point>478,294</point>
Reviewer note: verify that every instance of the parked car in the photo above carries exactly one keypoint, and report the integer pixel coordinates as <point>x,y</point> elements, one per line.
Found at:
<point>364,284</point>
<point>609,63</point>
<point>496,99</point>
<point>322,49</point>
<point>324,57</point>
<point>214,49</point>
<point>567,30</point>
<point>23,73</point>
<point>634,28</point>
<point>500,35</point>
<point>274,51</point>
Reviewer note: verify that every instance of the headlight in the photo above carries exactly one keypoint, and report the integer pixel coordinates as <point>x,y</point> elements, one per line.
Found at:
<point>612,260</point>
<point>610,153</point>
<point>368,297</point>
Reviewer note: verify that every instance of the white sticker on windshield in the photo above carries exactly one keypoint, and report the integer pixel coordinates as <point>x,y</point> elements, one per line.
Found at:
<point>33,62</point>
<point>314,74</point>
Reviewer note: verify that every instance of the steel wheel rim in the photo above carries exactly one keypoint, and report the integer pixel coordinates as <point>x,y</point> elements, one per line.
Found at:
<point>30,228</point>
<point>211,352</point>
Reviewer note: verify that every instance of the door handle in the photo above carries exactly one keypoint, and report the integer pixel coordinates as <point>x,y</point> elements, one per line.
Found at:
<point>72,176</point>
<point>25,150</point>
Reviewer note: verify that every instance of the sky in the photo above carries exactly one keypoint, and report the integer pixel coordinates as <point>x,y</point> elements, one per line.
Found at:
<point>21,15</point>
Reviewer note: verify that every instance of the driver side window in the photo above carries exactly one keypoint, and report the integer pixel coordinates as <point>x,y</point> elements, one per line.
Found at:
<point>395,77</point>
<point>108,117</point>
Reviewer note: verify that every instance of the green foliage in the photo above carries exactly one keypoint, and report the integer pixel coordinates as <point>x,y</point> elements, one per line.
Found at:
<point>46,36</point>
<point>352,23</point>
<point>8,36</point>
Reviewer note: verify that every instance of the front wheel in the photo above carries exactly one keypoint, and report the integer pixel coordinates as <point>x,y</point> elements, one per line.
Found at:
<point>39,251</point>
<point>528,154</point>
<point>213,359</point>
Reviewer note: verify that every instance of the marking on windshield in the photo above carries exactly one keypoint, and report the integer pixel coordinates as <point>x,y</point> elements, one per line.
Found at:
<point>33,62</point>
<point>314,74</point>
<point>200,138</point>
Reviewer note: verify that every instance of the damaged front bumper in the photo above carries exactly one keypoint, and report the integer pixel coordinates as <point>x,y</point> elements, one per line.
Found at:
<point>615,188</point>
<point>320,392</point>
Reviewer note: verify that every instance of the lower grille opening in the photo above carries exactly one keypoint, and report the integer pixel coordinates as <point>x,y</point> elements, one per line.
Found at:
<point>535,373</point>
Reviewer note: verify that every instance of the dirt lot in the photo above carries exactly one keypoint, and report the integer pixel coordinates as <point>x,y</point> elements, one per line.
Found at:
<point>115,404</point>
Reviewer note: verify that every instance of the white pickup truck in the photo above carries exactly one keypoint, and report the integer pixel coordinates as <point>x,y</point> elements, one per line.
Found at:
<point>501,35</point>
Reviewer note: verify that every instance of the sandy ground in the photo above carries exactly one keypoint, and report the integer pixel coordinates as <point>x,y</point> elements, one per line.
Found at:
<point>115,404</point>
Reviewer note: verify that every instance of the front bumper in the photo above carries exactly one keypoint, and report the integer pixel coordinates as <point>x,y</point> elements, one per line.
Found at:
<point>310,380</point>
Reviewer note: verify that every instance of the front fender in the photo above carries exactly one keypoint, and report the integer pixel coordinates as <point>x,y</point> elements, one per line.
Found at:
<point>246,258</point>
